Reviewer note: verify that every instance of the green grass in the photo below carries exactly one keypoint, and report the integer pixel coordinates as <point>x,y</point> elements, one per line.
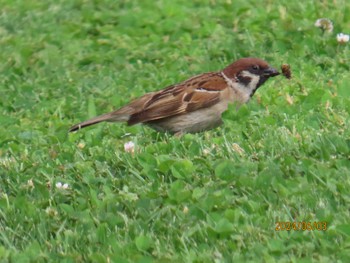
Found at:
<point>198,198</point>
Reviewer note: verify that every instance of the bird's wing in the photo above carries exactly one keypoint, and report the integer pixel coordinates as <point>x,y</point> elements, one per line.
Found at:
<point>196,93</point>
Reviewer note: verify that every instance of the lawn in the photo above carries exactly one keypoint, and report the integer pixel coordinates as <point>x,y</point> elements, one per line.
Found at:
<point>216,196</point>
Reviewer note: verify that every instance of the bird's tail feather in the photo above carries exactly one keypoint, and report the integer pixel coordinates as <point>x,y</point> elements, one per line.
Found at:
<point>98,119</point>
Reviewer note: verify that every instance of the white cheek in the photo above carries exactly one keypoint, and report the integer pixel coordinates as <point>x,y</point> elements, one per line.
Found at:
<point>246,91</point>
<point>254,80</point>
<point>243,93</point>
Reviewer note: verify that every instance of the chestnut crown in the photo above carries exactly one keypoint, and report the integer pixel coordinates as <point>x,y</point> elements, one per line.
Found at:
<point>256,66</point>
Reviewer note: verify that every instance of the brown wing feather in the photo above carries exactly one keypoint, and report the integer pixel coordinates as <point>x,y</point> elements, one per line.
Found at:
<point>201,100</point>
<point>159,107</point>
<point>198,92</point>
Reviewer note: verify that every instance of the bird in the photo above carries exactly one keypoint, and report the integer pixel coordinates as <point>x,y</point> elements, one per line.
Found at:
<point>196,104</point>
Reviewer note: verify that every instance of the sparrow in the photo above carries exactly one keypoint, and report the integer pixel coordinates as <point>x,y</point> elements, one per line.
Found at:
<point>195,104</point>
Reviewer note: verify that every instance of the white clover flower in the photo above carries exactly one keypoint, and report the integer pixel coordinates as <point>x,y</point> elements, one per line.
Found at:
<point>325,24</point>
<point>30,183</point>
<point>129,147</point>
<point>342,38</point>
<point>81,145</point>
<point>51,211</point>
<point>318,23</point>
<point>185,210</point>
<point>206,151</point>
<point>59,185</point>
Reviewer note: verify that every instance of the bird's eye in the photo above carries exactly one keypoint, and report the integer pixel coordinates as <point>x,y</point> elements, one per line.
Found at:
<point>255,67</point>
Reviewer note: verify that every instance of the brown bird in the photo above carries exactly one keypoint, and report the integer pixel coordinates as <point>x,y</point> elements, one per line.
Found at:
<point>197,103</point>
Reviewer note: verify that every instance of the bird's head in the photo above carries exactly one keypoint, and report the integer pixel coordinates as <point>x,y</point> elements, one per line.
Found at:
<point>250,73</point>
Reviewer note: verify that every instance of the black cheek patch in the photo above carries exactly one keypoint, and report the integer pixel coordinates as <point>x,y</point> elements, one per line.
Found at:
<point>244,80</point>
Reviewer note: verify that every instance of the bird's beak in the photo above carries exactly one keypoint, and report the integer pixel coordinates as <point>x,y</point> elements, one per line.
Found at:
<point>271,72</point>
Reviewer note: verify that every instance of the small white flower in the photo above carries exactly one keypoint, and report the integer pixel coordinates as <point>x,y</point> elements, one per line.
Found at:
<point>321,204</point>
<point>206,151</point>
<point>59,185</point>
<point>129,147</point>
<point>51,211</point>
<point>325,24</point>
<point>342,38</point>
<point>30,183</point>
<point>81,145</point>
<point>185,210</point>
<point>318,23</point>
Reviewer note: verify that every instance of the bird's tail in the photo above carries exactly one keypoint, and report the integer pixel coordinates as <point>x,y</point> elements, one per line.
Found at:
<point>98,119</point>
